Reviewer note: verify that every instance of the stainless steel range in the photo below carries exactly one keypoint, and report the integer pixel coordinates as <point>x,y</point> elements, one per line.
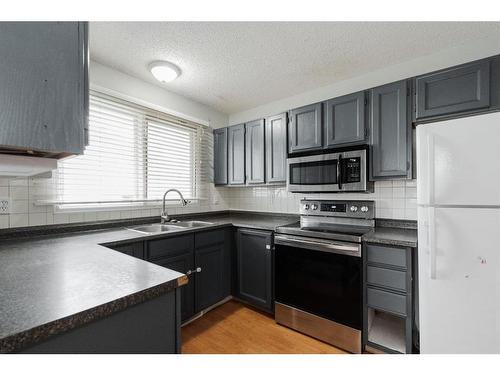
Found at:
<point>319,271</point>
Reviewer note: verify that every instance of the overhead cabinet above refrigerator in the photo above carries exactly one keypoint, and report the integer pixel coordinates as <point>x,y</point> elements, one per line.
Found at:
<point>43,88</point>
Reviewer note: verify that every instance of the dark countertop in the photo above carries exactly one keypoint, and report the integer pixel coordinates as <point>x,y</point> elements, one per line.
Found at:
<point>392,236</point>
<point>53,283</point>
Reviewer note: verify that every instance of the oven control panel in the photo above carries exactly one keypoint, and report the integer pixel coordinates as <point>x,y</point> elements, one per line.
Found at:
<point>355,209</point>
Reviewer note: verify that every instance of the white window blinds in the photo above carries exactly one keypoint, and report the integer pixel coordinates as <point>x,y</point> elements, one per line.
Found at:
<point>134,155</point>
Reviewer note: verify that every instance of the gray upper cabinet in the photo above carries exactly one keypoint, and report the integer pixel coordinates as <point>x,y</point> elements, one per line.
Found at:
<point>220,156</point>
<point>236,155</point>
<point>255,152</point>
<point>305,128</point>
<point>276,149</point>
<point>44,87</point>
<point>459,89</point>
<point>345,120</point>
<point>390,132</point>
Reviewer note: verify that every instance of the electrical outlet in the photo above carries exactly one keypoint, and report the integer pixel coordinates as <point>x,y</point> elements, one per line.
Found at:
<point>4,206</point>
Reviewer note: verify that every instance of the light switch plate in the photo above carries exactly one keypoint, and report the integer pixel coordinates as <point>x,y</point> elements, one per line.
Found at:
<point>4,205</point>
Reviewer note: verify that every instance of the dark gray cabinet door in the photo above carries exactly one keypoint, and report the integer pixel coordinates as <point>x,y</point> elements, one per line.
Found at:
<point>459,89</point>
<point>255,152</point>
<point>43,83</point>
<point>305,128</point>
<point>236,155</point>
<point>135,249</point>
<point>276,149</point>
<point>210,280</point>
<point>254,268</point>
<point>220,156</point>
<point>213,264</point>
<point>345,120</point>
<point>183,263</point>
<point>390,138</point>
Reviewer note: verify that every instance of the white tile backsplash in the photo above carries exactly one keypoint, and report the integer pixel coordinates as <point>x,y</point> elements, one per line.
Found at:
<point>393,199</point>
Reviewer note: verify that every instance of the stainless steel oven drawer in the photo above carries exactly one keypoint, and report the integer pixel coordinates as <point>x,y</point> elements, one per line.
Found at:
<point>387,301</point>
<point>387,278</point>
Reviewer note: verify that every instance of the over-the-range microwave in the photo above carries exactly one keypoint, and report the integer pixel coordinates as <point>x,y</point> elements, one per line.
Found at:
<point>333,173</point>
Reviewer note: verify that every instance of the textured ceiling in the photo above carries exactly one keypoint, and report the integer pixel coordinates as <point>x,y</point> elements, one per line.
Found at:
<point>237,66</point>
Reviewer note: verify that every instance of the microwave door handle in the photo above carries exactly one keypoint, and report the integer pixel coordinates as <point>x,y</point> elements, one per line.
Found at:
<point>339,174</point>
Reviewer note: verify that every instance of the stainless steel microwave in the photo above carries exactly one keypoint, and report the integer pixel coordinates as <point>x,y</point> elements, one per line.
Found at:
<point>329,173</point>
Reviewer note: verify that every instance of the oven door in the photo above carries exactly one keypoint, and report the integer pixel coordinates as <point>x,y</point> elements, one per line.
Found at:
<point>324,282</point>
<point>317,173</point>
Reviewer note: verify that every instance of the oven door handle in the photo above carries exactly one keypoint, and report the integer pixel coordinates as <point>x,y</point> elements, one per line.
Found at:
<point>327,246</point>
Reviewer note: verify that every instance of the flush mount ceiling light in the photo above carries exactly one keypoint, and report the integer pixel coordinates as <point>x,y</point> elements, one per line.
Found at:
<point>164,71</point>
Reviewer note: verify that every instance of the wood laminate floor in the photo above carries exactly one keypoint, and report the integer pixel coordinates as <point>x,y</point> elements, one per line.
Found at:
<point>234,328</point>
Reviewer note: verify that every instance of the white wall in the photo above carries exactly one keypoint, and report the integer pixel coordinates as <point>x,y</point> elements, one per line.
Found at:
<point>112,82</point>
<point>444,59</point>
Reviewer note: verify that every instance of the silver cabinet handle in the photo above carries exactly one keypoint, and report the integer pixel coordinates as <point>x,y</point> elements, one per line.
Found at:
<point>197,270</point>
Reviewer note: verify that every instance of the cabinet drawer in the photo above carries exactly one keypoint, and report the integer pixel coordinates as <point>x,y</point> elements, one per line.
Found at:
<point>392,256</point>
<point>386,278</point>
<point>387,301</point>
<point>209,238</point>
<point>166,247</point>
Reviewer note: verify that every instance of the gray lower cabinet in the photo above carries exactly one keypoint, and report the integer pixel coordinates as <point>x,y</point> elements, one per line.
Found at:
<point>305,128</point>
<point>135,249</point>
<point>390,137</point>
<point>254,270</point>
<point>276,149</point>
<point>44,87</point>
<point>213,265</point>
<point>236,155</point>
<point>388,294</point>
<point>345,120</point>
<point>458,89</point>
<point>255,152</point>
<point>220,156</point>
<point>205,258</point>
<point>150,327</point>
<point>176,253</point>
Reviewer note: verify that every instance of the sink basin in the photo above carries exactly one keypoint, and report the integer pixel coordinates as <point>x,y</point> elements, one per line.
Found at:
<point>192,223</point>
<point>156,228</point>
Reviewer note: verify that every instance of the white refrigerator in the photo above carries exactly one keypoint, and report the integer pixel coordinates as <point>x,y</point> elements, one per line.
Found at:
<point>458,197</point>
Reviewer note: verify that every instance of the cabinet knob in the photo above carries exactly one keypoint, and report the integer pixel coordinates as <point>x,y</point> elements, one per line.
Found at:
<point>268,247</point>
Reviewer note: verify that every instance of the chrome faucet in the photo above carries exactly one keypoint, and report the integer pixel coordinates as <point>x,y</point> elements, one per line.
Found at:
<point>164,215</point>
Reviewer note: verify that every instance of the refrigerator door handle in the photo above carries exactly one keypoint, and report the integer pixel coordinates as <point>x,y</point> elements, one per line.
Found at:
<point>432,243</point>
<point>430,168</point>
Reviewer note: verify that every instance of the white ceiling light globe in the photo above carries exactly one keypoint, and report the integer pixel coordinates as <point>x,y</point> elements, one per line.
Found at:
<point>164,71</point>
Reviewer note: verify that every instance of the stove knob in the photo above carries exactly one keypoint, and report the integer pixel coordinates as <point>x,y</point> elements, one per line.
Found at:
<point>314,206</point>
<point>306,206</point>
<point>354,208</point>
<point>364,208</point>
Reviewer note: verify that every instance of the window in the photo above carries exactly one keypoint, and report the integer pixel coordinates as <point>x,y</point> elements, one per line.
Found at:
<point>134,155</point>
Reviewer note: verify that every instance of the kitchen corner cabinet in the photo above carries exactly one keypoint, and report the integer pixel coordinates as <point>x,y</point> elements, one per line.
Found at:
<point>390,137</point>
<point>236,154</point>
<point>345,120</point>
<point>220,156</point>
<point>454,90</point>
<point>44,87</point>
<point>135,249</point>
<point>254,270</point>
<point>276,149</point>
<point>305,128</point>
<point>205,258</point>
<point>255,152</point>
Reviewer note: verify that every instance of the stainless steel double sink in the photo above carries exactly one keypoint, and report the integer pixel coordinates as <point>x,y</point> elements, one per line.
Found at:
<point>170,227</point>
